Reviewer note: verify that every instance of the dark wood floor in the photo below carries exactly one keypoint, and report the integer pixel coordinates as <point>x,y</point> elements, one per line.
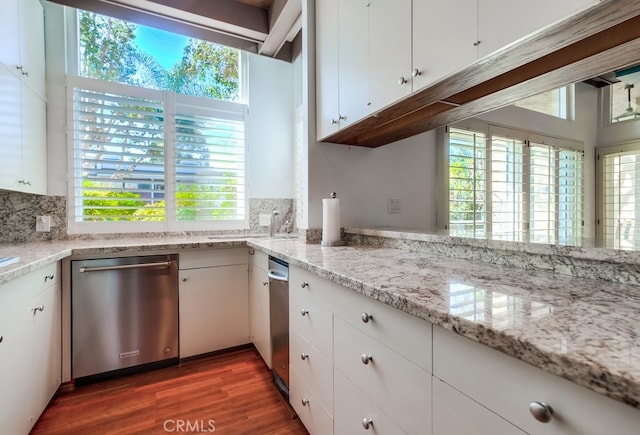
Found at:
<point>234,390</point>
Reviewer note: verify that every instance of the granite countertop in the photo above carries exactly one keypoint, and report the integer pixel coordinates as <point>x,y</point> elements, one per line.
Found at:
<point>583,330</point>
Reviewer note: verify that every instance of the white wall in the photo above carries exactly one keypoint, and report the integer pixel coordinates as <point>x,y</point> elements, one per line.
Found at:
<point>268,131</point>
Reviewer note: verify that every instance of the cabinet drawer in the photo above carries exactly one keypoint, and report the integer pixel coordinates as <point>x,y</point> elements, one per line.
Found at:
<point>316,371</point>
<point>198,258</point>
<point>391,381</point>
<point>507,386</point>
<point>455,414</point>
<point>314,416</point>
<point>353,409</point>
<point>311,285</point>
<point>313,322</point>
<point>406,334</point>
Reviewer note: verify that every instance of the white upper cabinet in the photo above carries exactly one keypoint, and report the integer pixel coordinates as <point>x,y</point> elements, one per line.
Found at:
<point>328,109</point>
<point>444,38</point>
<point>389,52</point>
<point>502,22</point>
<point>22,97</point>
<point>353,60</point>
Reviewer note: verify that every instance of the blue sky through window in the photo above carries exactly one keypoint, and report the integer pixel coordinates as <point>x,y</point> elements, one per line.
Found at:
<point>165,47</point>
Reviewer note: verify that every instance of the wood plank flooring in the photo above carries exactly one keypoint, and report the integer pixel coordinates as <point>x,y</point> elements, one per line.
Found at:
<point>231,392</point>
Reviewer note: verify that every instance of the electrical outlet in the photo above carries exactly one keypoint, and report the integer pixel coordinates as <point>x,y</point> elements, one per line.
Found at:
<point>43,223</point>
<point>265,219</point>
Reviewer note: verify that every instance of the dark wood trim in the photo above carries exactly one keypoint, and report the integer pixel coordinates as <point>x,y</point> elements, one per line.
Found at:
<point>566,46</point>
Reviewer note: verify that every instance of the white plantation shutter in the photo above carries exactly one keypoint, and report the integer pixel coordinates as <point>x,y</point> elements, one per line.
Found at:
<point>514,185</point>
<point>556,190</point>
<point>209,163</point>
<point>118,153</point>
<point>621,198</point>
<point>152,160</point>
<point>506,183</point>
<point>467,183</point>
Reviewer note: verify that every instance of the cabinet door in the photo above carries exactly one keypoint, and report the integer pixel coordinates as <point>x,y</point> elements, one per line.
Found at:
<point>389,51</point>
<point>259,310</point>
<point>454,414</point>
<point>10,129</point>
<point>444,36</point>
<point>45,343</point>
<point>353,61</point>
<point>10,36</point>
<point>214,309</point>
<point>34,143</point>
<point>502,22</point>
<point>327,116</point>
<point>32,45</point>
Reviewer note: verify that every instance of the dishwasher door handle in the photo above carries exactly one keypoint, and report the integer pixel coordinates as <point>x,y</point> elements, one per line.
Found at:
<point>274,275</point>
<point>164,264</point>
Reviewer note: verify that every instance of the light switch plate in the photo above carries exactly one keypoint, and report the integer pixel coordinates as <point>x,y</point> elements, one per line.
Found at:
<point>393,205</point>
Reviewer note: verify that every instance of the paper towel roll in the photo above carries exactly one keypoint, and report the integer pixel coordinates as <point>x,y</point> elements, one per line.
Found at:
<point>330,220</point>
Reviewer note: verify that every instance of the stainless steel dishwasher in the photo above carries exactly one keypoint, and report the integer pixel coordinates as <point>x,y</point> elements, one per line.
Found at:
<point>124,314</point>
<point>279,322</point>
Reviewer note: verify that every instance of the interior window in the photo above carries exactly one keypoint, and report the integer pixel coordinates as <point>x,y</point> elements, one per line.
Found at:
<point>556,102</point>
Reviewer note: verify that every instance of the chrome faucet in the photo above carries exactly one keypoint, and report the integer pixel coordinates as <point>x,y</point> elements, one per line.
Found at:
<point>272,221</point>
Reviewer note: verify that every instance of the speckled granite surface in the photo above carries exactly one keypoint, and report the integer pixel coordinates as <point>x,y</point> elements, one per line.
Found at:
<point>583,330</point>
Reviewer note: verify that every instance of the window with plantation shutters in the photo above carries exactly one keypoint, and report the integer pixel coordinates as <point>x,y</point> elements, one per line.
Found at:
<point>526,187</point>
<point>620,183</point>
<point>146,160</point>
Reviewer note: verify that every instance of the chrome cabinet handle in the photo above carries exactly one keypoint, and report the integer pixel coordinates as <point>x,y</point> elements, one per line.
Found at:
<point>304,356</point>
<point>25,182</point>
<point>265,282</point>
<point>38,308</point>
<point>367,423</point>
<point>342,118</point>
<point>304,312</point>
<point>541,411</point>
<point>416,72</point>
<point>184,279</point>
<point>402,81</point>
<point>48,277</point>
<point>366,317</point>
<point>305,401</point>
<point>334,121</point>
<point>304,284</point>
<point>475,44</point>
<point>366,358</point>
<point>1,338</point>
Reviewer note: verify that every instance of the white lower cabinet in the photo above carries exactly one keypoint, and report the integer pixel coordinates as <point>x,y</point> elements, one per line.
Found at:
<point>260,327</point>
<point>508,387</point>
<point>214,300</point>
<point>455,414</point>
<point>30,347</point>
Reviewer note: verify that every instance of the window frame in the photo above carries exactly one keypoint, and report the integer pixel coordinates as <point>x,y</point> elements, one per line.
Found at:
<point>601,153</point>
<point>170,100</point>
<point>490,130</point>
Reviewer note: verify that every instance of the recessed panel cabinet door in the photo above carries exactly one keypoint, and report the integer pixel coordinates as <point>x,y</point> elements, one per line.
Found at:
<point>353,61</point>
<point>10,129</point>
<point>444,38</point>
<point>34,142</point>
<point>32,46</point>
<point>259,310</point>
<point>328,111</point>
<point>10,36</point>
<point>389,51</point>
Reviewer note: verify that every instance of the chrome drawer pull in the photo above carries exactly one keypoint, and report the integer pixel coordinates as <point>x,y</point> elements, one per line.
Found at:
<point>366,358</point>
<point>304,356</point>
<point>367,423</point>
<point>366,317</point>
<point>541,411</point>
<point>304,284</point>
<point>304,401</point>
<point>304,312</point>
<point>38,308</point>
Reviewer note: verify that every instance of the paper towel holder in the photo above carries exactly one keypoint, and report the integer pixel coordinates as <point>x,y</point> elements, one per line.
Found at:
<point>337,242</point>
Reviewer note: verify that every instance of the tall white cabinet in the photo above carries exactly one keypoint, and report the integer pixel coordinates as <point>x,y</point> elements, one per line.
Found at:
<point>22,103</point>
<point>259,314</point>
